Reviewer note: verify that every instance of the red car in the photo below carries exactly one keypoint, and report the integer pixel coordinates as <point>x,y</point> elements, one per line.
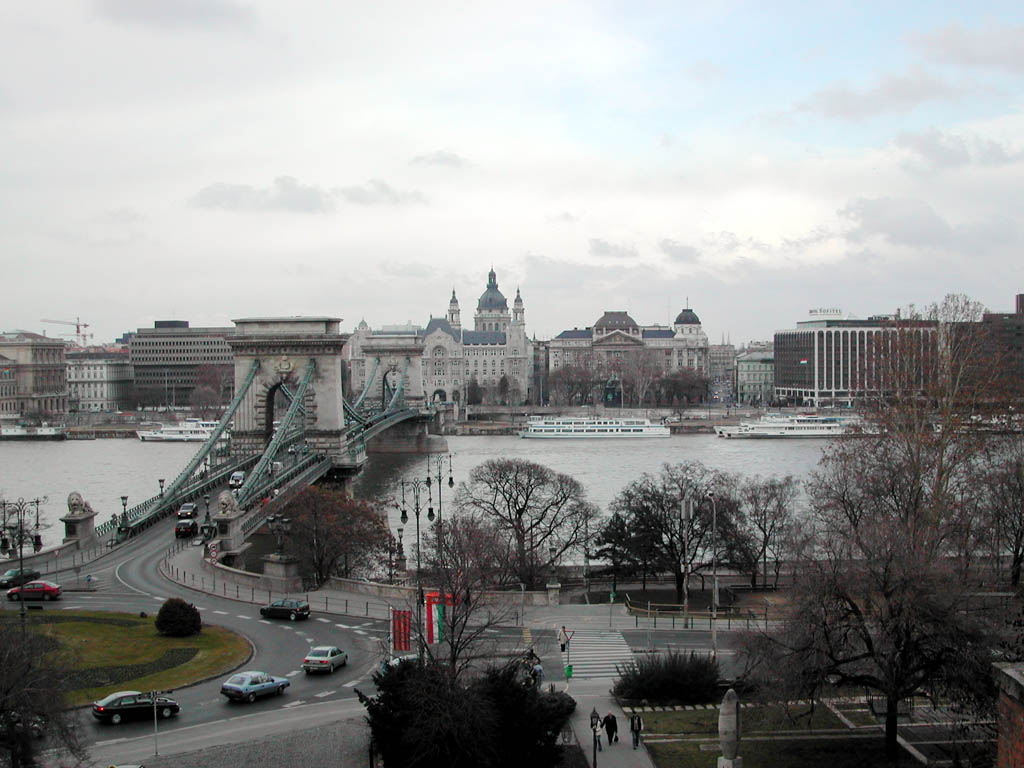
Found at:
<point>35,590</point>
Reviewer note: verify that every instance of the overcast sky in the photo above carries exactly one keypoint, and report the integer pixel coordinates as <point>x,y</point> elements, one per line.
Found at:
<point>215,159</point>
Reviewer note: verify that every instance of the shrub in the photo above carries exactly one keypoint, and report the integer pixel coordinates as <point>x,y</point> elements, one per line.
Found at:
<point>673,677</point>
<point>178,618</point>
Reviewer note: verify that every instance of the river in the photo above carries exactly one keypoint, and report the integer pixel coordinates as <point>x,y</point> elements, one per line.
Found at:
<point>104,470</point>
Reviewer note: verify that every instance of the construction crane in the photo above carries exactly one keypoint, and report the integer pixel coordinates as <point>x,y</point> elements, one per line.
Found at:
<point>80,335</point>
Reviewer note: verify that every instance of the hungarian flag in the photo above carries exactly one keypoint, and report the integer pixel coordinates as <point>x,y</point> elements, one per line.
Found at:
<point>803,361</point>
<point>435,616</point>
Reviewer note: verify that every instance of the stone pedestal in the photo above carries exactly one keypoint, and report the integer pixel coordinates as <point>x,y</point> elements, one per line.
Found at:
<point>79,522</point>
<point>281,573</point>
<point>229,523</point>
<point>554,591</point>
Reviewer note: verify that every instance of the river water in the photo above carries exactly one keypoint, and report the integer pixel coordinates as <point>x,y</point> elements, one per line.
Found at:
<point>104,470</point>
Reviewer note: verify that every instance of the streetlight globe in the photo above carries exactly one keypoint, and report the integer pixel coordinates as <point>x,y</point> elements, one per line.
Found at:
<point>430,514</point>
<point>405,517</point>
<point>451,481</point>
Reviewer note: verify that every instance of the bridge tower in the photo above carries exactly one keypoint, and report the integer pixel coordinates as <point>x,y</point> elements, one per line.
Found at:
<point>284,346</point>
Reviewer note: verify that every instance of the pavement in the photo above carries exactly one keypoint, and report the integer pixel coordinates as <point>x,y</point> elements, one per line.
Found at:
<point>184,565</point>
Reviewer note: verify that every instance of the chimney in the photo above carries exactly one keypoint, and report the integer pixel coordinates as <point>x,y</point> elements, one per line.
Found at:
<point>1020,303</point>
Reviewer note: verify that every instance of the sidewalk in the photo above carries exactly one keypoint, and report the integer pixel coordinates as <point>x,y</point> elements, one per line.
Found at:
<point>593,695</point>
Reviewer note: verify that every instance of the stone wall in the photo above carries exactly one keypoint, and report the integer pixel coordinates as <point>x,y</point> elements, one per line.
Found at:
<point>1010,678</point>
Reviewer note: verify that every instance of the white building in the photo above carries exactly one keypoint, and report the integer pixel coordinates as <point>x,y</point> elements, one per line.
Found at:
<point>755,377</point>
<point>99,378</point>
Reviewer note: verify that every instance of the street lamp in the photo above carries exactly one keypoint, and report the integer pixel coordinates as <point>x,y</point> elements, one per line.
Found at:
<point>685,518</point>
<point>714,577</point>
<point>15,534</point>
<point>437,463</point>
<point>416,485</point>
<point>161,481</point>
<point>206,500</point>
<point>124,510</point>
<point>595,721</point>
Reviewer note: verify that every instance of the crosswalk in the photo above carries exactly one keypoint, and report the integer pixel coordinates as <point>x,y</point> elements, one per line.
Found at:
<point>594,653</point>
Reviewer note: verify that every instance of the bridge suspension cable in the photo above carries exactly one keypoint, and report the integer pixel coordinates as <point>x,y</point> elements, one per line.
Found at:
<point>369,384</point>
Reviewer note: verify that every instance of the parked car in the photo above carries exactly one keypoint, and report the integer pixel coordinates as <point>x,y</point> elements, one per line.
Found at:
<point>132,705</point>
<point>236,480</point>
<point>36,726</point>
<point>186,529</point>
<point>290,609</point>
<point>16,577</point>
<point>187,511</point>
<point>35,590</point>
<point>324,658</point>
<point>247,686</point>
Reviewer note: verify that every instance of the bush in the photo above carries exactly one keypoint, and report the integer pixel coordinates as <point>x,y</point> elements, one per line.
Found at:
<point>671,677</point>
<point>178,619</point>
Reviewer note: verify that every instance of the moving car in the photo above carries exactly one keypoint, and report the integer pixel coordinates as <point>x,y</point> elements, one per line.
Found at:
<point>324,658</point>
<point>186,529</point>
<point>247,686</point>
<point>35,590</point>
<point>132,705</point>
<point>16,577</point>
<point>288,608</point>
<point>236,480</point>
<point>187,511</point>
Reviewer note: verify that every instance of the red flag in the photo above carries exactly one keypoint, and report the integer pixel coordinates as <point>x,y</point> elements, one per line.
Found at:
<point>401,630</point>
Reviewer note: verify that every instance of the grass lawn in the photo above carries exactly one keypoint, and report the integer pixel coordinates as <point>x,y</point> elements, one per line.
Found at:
<point>108,652</point>
<point>764,719</point>
<point>846,752</point>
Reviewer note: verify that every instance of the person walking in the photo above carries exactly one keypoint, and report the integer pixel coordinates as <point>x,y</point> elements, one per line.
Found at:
<point>563,639</point>
<point>611,727</point>
<point>636,727</point>
<point>597,736</point>
<point>538,674</point>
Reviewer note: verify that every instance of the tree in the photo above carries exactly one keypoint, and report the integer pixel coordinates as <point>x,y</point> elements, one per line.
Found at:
<point>615,544</point>
<point>503,388</point>
<point>33,683</point>
<point>474,395</point>
<point>176,618</point>
<point>1003,495</point>
<point>766,515</point>
<point>541,514</point>
<point>334,534</point>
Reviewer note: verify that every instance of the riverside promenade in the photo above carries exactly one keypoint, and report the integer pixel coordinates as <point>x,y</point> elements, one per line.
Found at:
<point>184,566</point>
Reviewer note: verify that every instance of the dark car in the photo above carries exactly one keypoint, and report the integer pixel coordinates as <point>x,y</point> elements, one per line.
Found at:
<point>286,609</point>
<point>187,511</point>
<point>35,590</point>
<point>247,686</point>
<point>132,705</point>
<point>186,529</point>
<point>16,577</point>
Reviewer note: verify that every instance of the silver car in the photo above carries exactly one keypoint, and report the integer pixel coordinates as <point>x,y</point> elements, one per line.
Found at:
<point>324,658</point>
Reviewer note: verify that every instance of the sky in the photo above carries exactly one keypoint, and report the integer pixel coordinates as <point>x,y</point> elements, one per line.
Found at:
<point>207,160</point>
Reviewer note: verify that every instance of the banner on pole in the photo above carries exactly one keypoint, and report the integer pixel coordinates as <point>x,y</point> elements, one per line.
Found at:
<point>401,624</point>
<point>435,616</point>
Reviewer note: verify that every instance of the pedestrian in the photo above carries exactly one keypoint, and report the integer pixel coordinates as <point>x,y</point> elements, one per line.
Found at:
<point>636,727</point>
<point>597,736</point>
<point>611,727</point>
<point>538,674</point>
<point>563,638</point>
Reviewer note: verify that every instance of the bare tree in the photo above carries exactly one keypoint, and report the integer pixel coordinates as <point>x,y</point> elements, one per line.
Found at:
<point>1003,494</point>
<point>542,514</point>
<point>766,513</point>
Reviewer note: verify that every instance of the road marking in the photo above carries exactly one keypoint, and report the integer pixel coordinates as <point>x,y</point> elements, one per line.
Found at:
<point>360,632</point>
<point>221,613</point>
<point>323,693</point>
<point>240,616</point>
<point>321,618</point>
<point>264,621</point>
<point>111,741</point>
<point>351,684</point>
<point>293,704</point>
<point>293,673</point>
<point>343,626</point>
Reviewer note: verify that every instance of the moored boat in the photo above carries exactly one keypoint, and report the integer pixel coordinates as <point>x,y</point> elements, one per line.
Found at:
<point>26,432</point>
<point>572,427</point>
<point>786,426</point>
<point>190,430</point>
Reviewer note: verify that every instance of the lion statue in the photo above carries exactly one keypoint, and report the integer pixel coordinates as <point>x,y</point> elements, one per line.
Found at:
<point>228,503</point>
<point>78,506</point>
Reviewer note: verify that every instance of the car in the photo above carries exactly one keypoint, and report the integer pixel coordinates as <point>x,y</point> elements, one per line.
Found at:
<point>35,590</point>
<point>324,658</point>
<point>287,608</point>
<point>248,686</point>
<point>236,480</point>
<point>132,705</point>
<point>395,661</point>
<point>17,576</point>
<point>186,529</point>
<point>187,511</point>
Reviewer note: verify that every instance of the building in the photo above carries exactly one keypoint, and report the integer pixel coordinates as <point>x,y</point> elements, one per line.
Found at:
<point>99,378</point>
<point>722,362</point>
<point>167,359</point>
<point>40,375</point>
<point>831,360</point>
<point>755,377</point>
<point>1004,334</point>
<point>497,354</point>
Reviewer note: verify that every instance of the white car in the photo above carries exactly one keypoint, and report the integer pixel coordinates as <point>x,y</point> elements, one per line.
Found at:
<point>324,658</point>
<point>237,479</point>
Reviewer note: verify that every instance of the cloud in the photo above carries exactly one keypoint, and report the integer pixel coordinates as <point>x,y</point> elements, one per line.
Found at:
<point>440,157</point>
<point>377,192</point>
<point>901,221</point>
<point>176,13</point>
<point>893,93</point>
<point>565,218</point>
<point>936,150</point>
<point>286,194</point>
<point>991,47</point>
<point>600,247</point>
<point>678,251</point>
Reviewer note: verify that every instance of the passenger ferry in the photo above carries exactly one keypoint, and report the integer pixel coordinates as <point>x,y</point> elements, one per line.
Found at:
<point>779,425</point>
<point>190,430</point>
<point>26,432</point>
<point>555,427</point>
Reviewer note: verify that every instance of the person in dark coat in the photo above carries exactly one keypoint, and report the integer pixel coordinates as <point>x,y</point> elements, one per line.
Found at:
<point>636,727</point>
<point>611,727</point>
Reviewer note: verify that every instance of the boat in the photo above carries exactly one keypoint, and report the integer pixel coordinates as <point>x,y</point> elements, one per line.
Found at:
<point>190,430</point>
<point>568,427</point>
<point>26,432</point>
<point>786,426</point>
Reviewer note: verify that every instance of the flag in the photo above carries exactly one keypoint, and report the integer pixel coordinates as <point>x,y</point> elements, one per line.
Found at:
<point>401,622</point>
<point>435,616</point>
<point>803,361</point>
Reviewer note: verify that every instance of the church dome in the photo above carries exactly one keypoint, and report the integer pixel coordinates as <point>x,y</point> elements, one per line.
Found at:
<point>492,299</point>
<point>687,317</point>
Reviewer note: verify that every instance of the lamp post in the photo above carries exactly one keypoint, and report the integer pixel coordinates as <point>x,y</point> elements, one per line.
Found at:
<point>714,577</point>
<point>14,533</point>
<point>595,721</point>
<point>416,485</point>
<point>436,464</point>
<point>685,517</point>
<point>124,510</point>
<point>161,481</point>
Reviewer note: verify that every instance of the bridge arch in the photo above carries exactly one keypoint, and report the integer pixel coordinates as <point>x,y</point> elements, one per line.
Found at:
<point>439,396</point>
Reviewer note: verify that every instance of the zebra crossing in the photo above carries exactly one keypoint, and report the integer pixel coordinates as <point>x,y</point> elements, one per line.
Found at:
<point>594,653</point>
